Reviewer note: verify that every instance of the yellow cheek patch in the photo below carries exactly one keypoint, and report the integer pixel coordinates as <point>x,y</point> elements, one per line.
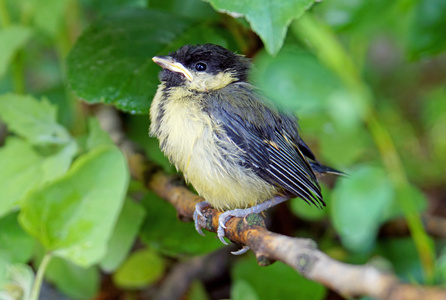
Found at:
<point>204,82</point>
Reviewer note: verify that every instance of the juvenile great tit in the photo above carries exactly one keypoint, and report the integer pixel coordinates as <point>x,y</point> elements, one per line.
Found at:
<point>239,152</point>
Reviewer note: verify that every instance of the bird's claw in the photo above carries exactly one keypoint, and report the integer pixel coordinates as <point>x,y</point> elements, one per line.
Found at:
<point>199,207</point>
<point>241,251</point>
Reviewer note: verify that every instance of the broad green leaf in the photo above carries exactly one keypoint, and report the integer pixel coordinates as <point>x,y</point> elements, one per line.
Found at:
<point>49,14</point>
<point>269,19</point>
<point>293,80</point>
<point>141,269</point>
<point>23,169</point>
<point>282,282</point>
<point>242,290</point>
<point>163,231</point>
<point>359,204</point>
<point>20,172</point>
<point>74,281</point>
<point>97,136</point>
<point>427,28</point>
<point>112,60</point>
<point>197,291</point>
<point>74,215</point>
<point>124,234</point>
<point>32,119</point>
<point>193,9</point>
<point>15,245</point>
<point>12,38</point>
<point>105,7</point>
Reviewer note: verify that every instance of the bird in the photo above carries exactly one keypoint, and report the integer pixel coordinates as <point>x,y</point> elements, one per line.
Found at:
<point>237,149</point>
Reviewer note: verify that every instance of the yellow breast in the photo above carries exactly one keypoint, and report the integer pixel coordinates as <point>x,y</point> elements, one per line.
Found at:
<point>187,137</point>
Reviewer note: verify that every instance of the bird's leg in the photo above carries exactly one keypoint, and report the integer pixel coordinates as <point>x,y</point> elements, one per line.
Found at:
<point>241,213</point>
<point>199,207</point>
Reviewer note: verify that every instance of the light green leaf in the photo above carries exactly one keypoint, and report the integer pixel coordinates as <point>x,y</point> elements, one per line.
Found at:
<point>124,234</point>
<point>359,204</point>
<point>12,38</point>
<point>242,290</point>
<point>49,14</point>
<point>32,119</point>
<point>23,169</point>
<point>142,268</point>
<point>74,281</point>
<point>293,78</point>
<point>112,60</point>
<point>283,281</point>
<point>74,215</point>
<point>309,212</point>
<point>15,245</point>
<point>269,19</point>
<point>97,136</point>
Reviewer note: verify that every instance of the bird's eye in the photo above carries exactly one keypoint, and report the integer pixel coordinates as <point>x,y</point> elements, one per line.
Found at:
<point>200,67</point>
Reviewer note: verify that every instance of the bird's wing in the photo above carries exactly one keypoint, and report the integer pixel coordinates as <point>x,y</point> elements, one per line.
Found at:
<point>261,133</point>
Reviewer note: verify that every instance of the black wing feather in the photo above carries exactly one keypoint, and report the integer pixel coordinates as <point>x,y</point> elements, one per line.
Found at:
<point>268,140</point>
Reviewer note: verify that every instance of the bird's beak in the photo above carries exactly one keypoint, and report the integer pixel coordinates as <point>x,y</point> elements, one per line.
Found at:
<point>167,62</point>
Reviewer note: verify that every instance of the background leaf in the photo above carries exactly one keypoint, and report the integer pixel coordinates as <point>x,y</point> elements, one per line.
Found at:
<point>269,19</point>
<point>112,60</point>
<point>74,215</point>
<point>12,39</point>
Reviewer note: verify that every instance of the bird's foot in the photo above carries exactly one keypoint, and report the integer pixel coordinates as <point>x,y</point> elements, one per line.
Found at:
<point>199,207</point>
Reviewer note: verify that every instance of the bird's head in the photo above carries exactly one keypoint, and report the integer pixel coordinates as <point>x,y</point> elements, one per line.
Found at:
<point>202,68</point>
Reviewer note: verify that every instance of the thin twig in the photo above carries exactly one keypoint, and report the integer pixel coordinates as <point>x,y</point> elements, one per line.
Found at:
<point>301,254</point>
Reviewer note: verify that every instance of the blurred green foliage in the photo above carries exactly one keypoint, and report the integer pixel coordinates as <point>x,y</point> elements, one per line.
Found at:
<point>366,78</point>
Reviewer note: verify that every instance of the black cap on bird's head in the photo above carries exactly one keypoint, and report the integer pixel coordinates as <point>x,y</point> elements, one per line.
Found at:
<point>202,67</point>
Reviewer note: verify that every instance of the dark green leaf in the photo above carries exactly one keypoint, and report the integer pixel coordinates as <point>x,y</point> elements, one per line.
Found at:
<point>359,204</point>
<point>112,61</point>
<point>193,9</point>
<point>269,19</point>
<point>74,281</point>
<point>162,230</point>
<point>427,28</point>
<point>282,282</point>
<point>74,216</point>
<point>124,234</point>
<point>142,268</point>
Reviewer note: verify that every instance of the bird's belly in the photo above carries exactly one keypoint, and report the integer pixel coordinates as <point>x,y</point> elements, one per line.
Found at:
<point>213,170</point>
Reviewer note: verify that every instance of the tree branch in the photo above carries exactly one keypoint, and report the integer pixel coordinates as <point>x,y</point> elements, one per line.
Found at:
<point>301,254</point>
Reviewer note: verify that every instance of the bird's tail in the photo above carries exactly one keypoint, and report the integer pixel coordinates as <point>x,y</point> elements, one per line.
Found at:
<point>320,168</point>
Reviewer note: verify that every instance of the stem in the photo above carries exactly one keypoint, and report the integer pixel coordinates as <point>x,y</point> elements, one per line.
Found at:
<point>39,277</point>
<point>326,46</point>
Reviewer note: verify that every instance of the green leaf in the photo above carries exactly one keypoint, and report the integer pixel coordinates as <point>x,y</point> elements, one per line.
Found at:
<point>16,245</point>
<point>193,9</point>
<point>283,281</point>
<point>112,60</point>
<point>49,14</point>
<point>427,34</point>
<point>163,231</point>
<point>309,212</point>
<point>293,79</point>
<point>142,268</point>
<point>97,136</point>
<point>242,290</point>
<point>32,119</point>
<point>12,39</point>
<point>441,267</point>
<point>74,215</point>
<point>269,19</point>
<point>359,204</point>
<point>74,281</point>
<point>124,234</point>
<point>23,169</point>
